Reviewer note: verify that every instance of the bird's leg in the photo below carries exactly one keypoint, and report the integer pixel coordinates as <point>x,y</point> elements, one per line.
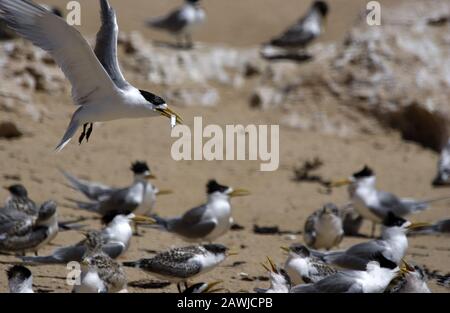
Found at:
<point>89,131</point>
<point>83,134</point>
<point>189,43</point>
<point>185,285</point>
<point>179,40</point>
<point>36,253</point>
<point>373,229</point>
<point>179,287</point>
<point>136,230</point>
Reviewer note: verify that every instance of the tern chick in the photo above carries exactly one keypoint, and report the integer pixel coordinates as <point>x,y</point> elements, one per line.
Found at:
<point>303,267</point>
<point>324,228</point>
<point>178,265</point>
<point>20,279</point>
<point>280,281</point>
<point>412,280</point>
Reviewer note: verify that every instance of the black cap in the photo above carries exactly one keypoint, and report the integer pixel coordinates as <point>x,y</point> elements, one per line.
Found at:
<point>139,167</point>
<point>213,186</point>
<point>365,172</point>
<point>392,220</point>
<point>322,6</point>
<point>300,249</point>
<point>152,98</point>
<point>18,190</point>
<point>18,272</point>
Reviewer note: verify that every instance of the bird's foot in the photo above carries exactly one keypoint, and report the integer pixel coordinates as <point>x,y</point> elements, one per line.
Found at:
<point>83,134</point>
<point>89,131</point>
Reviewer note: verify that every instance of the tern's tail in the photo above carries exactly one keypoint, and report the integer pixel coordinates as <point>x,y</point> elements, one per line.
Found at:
<point>161,223</point>
<point>50,259</point>
<point>71,130</point>
<point>77,183</point>
<point>88,206</point>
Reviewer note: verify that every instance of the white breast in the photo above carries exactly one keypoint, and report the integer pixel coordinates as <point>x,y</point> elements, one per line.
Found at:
<point>296,267</point>
<point>220,212</point>
<point>90,283</point>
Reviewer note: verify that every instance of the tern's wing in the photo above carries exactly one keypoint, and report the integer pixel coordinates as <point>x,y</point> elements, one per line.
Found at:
<point>296,35</point>
<point>173,22</point>
<point>122,200</point>
<point>92,190</point>
<point>390,202</point>
<point>106,45</point>
<point>176,265</point>
<point>310,229</point>
<point>70,50</point>
<point>192,225</point>
<point>338,283</point>
<point>14,223</point>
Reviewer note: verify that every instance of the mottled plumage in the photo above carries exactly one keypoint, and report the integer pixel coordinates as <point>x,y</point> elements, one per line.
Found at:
<point>324,228</point>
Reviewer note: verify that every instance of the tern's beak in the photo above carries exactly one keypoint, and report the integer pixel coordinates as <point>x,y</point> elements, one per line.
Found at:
<point>210,288</point>
<point>340,183</point>
<point>232,252</point>
<point>285,249</point>
<point>406,268</point>
<point>85,262</point>
<point>164,192</point>
<point>272,265</point>
<point>169,113</point>
<point>150,176</point>
<point>239,193</point>
<point>417,225</point>
<point>140,219</point>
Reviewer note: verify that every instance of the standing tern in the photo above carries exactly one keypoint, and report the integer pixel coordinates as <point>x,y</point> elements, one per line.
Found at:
<point>178,265</point>
<point>373,204</point>
<point>305,30</point>
<point>20,233</point>
<point>99,273</point>
<point>181,22</point>
<point>280,282</point>
<point>138,198</point>
<point>208,221</point>
<point>390,249</point>
<point>324,228</point>
<point>20,279</point>
<point>303,267</point>
<point>412,280</point>
<point>374,279</point>
<point>98,86</point>
<point>443,175</point>
<point>116,236</point>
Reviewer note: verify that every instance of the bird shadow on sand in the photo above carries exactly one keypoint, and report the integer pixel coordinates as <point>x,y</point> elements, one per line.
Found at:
<point>148,284</point>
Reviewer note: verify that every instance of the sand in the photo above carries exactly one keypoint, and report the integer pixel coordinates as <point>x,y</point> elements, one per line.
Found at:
<point>403,168</point>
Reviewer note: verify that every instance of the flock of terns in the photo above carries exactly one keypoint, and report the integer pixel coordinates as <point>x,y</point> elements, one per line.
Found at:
<point>102,94</point>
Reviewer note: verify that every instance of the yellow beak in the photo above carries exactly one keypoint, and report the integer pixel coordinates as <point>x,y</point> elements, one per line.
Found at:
<point>239,193</point>
<point>272,265</point>
<point>150,176</point>
<point>140,219</point>
<point>285,249</point>
<point>169,113</point>
<point>418,225</point>
<point>210,287</point>
<point>232,252</point>
<point>340,183</point>
<point>164,192</point>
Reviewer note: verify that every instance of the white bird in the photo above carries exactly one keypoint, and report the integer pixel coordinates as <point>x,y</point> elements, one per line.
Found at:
<point>98,86</point>
<point>324,228</point>
<point>305,30</point>
<point>20,279</point>
<point>116,236</point>
<point>374,204</point>
<point>181,22</point>
<point>374,279</point>
<point>206,222</point>
<point>303,267</point>
<point>280,281</point>
<point>390,249</point>
<point>178,265</point>
<point>443,168</point>
<point>412,280</point>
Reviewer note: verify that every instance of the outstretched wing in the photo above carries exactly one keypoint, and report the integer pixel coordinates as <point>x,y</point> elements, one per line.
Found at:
<point>65,44</point>
<point>106,45</point>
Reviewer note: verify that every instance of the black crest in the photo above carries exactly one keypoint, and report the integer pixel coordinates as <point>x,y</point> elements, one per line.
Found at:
<point>18,190</point>
<point>322,6</point>
<point>18,272</point>
<point>215,248</point>
<point>213,186</point>
<point>365,172</point>
<point>139,167</point>
<point>193,1</point>
<point>392,220</point>
<point>152,98</point>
